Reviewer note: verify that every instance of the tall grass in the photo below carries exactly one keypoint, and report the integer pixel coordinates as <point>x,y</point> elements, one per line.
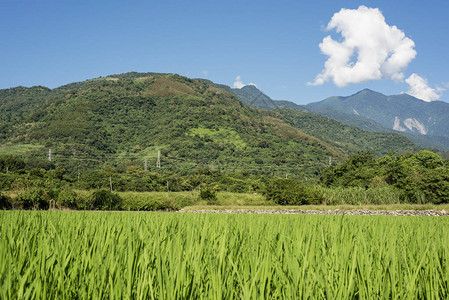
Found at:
<point>359,196</point>
<point>157,200</point>
<point>122,255</point>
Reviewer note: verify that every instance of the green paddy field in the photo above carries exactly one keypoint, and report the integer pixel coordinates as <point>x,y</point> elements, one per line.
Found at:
<point>146,255</point>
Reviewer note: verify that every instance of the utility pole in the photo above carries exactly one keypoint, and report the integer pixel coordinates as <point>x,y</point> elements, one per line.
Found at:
<point>330,161</point>
<point>110,182</point>
<point>145,165</point>
<point>158,159</point>
<point>49,155</point>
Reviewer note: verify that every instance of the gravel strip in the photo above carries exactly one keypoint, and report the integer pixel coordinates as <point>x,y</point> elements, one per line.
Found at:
<point>361,212</point>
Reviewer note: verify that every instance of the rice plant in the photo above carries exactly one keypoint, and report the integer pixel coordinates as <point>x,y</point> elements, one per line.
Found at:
<point>138,255</point>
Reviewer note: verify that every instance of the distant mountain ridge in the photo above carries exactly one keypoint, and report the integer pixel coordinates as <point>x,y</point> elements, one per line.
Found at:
<point>252,96</point>
<point>424,123</point>
<point>403,113</point>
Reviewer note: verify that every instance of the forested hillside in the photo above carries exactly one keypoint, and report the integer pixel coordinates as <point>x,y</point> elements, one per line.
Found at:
<point>126,119</point>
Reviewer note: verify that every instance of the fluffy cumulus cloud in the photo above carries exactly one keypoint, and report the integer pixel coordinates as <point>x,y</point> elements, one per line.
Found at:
<point>369,49</point>
<point>238,84</point>
<point>419,88</point>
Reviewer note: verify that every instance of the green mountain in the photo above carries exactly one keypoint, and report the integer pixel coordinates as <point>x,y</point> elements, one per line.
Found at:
<point>127,118</point>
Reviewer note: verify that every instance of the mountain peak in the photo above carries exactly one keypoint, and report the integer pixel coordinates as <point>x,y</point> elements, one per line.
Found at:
<point>367,91</point>
<point>250,87</point>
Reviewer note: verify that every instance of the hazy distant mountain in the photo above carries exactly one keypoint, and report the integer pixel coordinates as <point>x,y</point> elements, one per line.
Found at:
<point>426,124</point>
<point>251,95</point>
<point>351,119</point>
<point>403,113</point>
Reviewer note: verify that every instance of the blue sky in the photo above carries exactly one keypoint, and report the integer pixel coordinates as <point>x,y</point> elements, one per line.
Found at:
<point>274,44</point>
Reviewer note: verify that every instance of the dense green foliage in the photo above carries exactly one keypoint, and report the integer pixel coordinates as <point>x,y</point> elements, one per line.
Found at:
<point>26,174</point>
<point>209,194</point>
<point>352,138</point>
<point>292,192</point>
<point>361,179</point>
<point>5,202</point>
<point>78,255</point>
<point>421,178</point>
<point>105,200</point>
<point>52,187</point>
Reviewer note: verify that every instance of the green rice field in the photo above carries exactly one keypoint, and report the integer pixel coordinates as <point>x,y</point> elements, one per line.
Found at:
<point>141,255</point>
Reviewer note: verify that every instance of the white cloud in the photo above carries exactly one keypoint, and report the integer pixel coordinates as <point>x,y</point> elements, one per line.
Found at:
<point>419,88</point>
<point>238,84</point>
<point>370,49</point>
<point>205,73</point>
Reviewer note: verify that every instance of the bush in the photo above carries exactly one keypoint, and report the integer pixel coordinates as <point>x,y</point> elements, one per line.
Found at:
<point>7,180</point>
<point>292,192</point>
<point>209,194</point>
<point>105,200</point>
<point>38,172</point>
<point>69,199</point>
<point>5,202</point>
<point>36,198</point>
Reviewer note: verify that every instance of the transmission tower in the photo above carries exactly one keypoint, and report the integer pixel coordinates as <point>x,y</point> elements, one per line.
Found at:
<point>158,164</point>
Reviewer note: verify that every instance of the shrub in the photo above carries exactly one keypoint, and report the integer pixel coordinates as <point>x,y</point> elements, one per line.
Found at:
<point>38,172</point>
<point>209,194</point>
<point>5,202</point>
<point>7,180</point>
<point>69,199</point>
<point>105,200</point>
<point>292,192</point>
<point>36,198</point>
<point>11,163</point>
